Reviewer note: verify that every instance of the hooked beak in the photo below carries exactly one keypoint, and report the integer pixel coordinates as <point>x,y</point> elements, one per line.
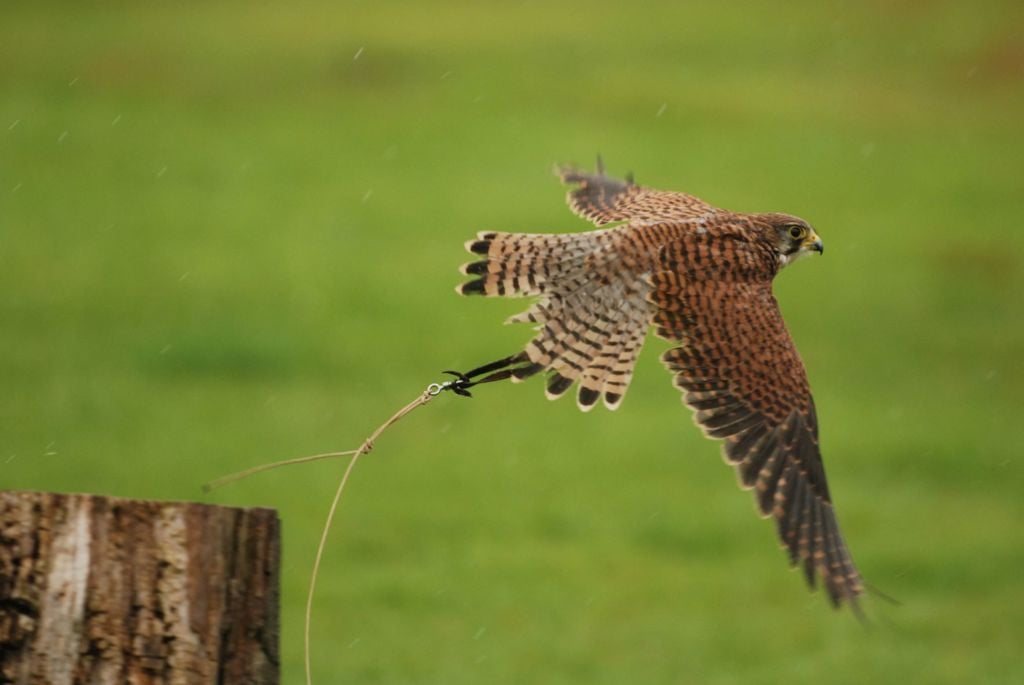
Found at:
<point>813,242</point>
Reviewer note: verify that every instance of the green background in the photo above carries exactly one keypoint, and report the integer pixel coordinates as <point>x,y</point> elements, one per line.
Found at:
<point>229,233</point>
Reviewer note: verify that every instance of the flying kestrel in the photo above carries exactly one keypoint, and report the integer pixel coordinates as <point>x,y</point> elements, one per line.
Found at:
<point>703,277</point>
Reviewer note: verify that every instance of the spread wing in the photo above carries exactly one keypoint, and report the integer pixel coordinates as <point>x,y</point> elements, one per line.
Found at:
<point>603,200</point>
<point>742,376</point>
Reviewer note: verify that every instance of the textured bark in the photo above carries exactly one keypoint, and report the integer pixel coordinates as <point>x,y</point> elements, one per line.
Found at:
<point>102,590</point>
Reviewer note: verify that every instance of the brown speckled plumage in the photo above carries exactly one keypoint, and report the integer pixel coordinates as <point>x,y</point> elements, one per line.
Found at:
<point>702,276</point>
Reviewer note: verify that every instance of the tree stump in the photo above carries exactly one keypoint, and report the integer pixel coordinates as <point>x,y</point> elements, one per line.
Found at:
<point>103,590</point>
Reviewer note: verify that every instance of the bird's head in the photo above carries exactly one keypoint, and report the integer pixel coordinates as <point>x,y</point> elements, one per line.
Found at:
<point>791,237</point>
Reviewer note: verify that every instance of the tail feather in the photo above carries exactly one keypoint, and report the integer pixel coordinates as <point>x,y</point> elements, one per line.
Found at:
<point>591,321</point>
<point>621,372</point>
<point>522,264</point>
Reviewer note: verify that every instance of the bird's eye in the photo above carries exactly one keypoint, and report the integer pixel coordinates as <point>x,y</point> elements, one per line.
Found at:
<point>797,232</point>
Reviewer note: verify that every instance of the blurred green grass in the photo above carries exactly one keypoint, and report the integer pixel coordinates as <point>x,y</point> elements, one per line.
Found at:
<point>229,234</point>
